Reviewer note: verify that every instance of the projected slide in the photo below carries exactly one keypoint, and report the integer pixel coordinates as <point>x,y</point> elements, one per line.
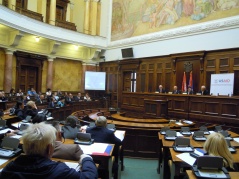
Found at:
<point>95,80</point>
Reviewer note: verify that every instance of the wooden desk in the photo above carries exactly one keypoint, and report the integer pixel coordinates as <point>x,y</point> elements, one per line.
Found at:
<point>233,175</point>
<point>165,147</point>
<point>177,163</point>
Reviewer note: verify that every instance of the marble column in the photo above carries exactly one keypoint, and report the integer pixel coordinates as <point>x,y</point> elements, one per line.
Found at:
<point>12,4</point>
<point>87,17</point>
<point>8,71</point>
<point>49,79</point>
<point>94,14</point>
<point>68,12</point>
<point>52,12</point>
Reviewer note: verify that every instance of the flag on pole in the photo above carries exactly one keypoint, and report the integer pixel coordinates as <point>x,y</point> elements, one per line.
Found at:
<point>184,85</point>
<point>191,80</point>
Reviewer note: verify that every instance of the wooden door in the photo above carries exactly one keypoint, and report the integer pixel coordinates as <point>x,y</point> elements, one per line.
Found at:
<point>29,78</point>
<point>127,81</point>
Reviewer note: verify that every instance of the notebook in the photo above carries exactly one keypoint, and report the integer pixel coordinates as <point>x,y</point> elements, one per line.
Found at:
<point>83,138</point>
<point>9,147</point>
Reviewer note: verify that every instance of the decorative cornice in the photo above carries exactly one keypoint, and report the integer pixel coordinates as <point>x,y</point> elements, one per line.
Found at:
<point>207,27</point>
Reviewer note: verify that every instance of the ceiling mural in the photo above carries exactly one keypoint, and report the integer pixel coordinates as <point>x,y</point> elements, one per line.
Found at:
<point>132,18</point>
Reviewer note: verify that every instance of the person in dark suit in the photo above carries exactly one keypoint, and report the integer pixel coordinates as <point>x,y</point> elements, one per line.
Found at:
<point>189,91</point>
<point>203,90</point>
<point>65,151</point>
<point>31,109</point>
<point>104,135</point>
<point>71,127</point>
<point>161,90</point>
<point>41,100</point>
<point>175,90</point>
<point>79,97</point>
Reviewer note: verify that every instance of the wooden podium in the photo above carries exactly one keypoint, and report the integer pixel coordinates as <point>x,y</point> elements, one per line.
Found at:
<point>155,108</point>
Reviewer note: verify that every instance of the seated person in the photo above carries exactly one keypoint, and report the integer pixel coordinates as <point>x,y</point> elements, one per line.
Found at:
<point>161,90</point>
<point>39,140</point>
<point>61,102</point>
<point>12,92</point>
<point>19,110</point>
<point>203,90</point>
<point>87,97</point>
<point>175,90</point>
<point>79,97</point>
<point>41,100</point>
<point>216,145</point>
<point>70,129</point>
<point>189,90</point>
<point>2,96</point>
<point>102,134</point>
<point>52,102</point>
<point>31,92</point>
<point>65,151</point>
<point>31,109</point>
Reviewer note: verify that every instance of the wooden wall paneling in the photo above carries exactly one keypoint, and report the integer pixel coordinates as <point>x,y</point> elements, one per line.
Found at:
<point>229,109</point>
<point>196,106</point>
<point>208,79</point>
<point>236,82</point>
<point>212,108</point>
<point>142,82</point>
<point>151,83</point>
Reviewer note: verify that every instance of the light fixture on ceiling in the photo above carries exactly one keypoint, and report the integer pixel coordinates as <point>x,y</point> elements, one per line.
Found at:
<point>76,47</point>
<point>37,39</point>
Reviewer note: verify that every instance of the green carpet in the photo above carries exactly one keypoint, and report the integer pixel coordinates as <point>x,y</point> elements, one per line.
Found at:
<point>139,169</point>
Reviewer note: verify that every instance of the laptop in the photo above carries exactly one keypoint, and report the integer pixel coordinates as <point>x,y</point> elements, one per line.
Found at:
<point>199,135</point>
<point>23,127</point>
<point>83,138</point>
<point>27,119</point>
<point>9,147</point>
<point>2,124</point>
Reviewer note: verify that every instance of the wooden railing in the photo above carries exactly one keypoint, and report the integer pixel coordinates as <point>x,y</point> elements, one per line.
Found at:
<point>66,25</point>
<point>30,14</point>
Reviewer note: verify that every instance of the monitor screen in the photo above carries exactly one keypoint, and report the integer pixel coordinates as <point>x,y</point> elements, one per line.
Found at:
<point>95,80</point>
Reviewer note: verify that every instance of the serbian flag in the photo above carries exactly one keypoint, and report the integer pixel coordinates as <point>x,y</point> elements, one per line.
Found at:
<point>184,85</point>
<point>191,80</point>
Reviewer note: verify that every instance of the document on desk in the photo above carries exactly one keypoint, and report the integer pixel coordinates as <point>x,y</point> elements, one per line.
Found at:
<point>5,130</point>
<point>187,158</point>
<point>211,173</point>
<point>74,165</point>
<point>16,136</point>
<point>119,134</point>
<point>2,161</point>
<point>94,148</point>
<point>236,139</point>
<point>179,134</point>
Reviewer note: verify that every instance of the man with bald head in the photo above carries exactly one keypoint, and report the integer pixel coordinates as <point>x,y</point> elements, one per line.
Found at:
<point>161,90</point>
<point>203,90</point>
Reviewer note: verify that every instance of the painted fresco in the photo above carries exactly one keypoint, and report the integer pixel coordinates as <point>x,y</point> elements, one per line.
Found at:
<point>138,17</point>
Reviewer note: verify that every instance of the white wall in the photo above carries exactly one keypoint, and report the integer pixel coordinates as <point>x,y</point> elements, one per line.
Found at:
<point>210,41</point>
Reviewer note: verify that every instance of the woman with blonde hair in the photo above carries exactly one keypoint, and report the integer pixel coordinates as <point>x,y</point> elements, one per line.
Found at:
<point>216,145</point>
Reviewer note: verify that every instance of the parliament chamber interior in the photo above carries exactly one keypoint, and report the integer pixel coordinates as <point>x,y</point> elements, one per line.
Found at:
<point>146,65</point>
